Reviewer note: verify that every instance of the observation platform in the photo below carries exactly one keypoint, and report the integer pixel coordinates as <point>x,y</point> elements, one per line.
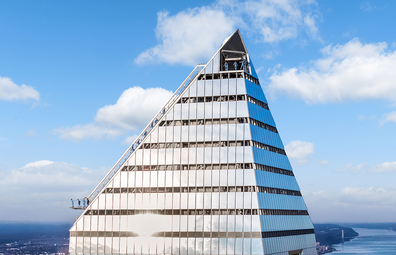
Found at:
<point>79,204</point>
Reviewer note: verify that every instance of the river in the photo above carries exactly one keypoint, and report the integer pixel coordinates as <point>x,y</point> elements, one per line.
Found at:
<point>369,241</point>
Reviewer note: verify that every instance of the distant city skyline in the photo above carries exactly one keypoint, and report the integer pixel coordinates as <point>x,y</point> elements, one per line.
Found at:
<point>71,75</point>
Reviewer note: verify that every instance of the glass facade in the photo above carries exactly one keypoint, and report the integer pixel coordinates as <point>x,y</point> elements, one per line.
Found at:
<point>212,177</point>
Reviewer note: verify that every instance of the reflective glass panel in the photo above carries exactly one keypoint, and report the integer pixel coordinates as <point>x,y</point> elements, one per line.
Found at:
<point>215,246</point>
<point>246,246</point>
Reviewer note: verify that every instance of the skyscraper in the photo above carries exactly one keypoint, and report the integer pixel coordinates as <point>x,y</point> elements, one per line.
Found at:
<point>208,175</point>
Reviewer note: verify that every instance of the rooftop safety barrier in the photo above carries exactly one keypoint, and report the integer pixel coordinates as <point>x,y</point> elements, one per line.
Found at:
<point>80,203</point>
<point>197,70</point>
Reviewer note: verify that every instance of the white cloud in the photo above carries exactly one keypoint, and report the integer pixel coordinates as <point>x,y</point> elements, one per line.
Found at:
<point>38,164</point>
<point>368,7</point>
<point>130,139</point>
<point>311,23</point>
<point>135,108</point>
<point>88,131</point>
<point>384,167</point>
<point>351,168</point>
<point>351,204</point>
<point>132,111</point>
<point>188,37</point>
<point>193,35</point>
<point>42,190</point>
<point>31,133</point>
<point>372,196</point>
<point>388,117</point>
<point>10,91</point>
<point>323,162</point>
<point>278,20</point>
<point>353,71</point>
<point>300,151</point>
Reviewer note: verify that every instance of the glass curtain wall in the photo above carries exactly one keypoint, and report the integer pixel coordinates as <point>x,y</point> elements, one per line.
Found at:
<point>211,178</point>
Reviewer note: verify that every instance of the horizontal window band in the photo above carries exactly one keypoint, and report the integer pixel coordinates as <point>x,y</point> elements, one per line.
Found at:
<point>262,125</point>
<point>213,144</point>
<point>103,234</point>
<point>288,233</point>
<point>273,169</point>
<point>167,234</point>
<point>203,190</point>
<point>226,98</point>
<point>199,212</point>
<point>197,144</point>
<point>257,102</point>
<point>210,99</point>
<point>268,147</point>
<point>193,122</point>
<point>252,79</point>
<point>208,167</point>
<point>223,75</point>
<point>229,75</point>
<point>188,167</point>
<point>218,121</point>
<point>195,234</point>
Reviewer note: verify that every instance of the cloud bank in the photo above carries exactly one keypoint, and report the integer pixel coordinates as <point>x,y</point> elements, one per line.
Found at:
<point>41,190</point>
<point>352,204</point>
<point>9,91</point>
<point>299,151</point>
<point>132,111</point>
<point>188,36</point>
<point>384,167</point>
<point>354,71</point>
<point>192,35</point>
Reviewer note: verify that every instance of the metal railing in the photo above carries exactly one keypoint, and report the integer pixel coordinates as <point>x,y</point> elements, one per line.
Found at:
<point>145,132</point>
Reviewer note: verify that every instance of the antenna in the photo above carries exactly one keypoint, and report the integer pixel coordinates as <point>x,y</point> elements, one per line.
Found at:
<point>342,236</point>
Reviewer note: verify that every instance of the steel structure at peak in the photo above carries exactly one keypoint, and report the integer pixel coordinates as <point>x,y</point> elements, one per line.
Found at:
<point>83,203</point>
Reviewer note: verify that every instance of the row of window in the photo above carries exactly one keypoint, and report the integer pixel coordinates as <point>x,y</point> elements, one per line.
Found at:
<point>195,144</point>
<point>252,79</point>
<point>167,234</point>
<point>166,123</point>
<point>208,167</point>
<point>216,76</point>
<point>258,102</point>
<point>203,122</point>
<point>230,75</point>
<point>273,169</point>
<point>263,125</point>
<point>213,144</point>
<point>196,234</point>
<point>208,99</point>
<point>295,232</point>
<point>203,189</point>
<point>200,212</point>
<point>268,147</point>
<point>187,167</point>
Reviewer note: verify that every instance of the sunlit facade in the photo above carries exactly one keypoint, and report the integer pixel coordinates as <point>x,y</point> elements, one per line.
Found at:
<point>211,176</point>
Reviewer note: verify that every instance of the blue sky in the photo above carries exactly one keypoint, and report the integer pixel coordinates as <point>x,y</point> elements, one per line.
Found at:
<point>72,75</point>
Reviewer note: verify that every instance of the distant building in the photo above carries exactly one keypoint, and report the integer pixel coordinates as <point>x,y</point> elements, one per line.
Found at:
<point>208,175</point>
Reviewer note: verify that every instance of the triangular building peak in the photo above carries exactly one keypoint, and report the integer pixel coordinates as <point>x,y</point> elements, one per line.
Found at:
<point>208,175</point>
